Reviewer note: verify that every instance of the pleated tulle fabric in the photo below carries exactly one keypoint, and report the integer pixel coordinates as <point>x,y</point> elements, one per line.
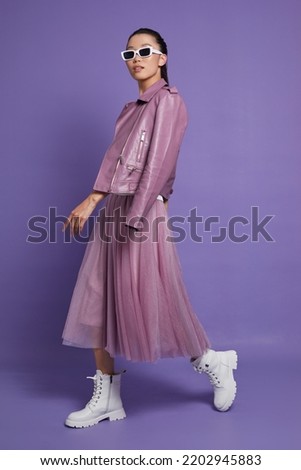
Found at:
<point>129,297</point>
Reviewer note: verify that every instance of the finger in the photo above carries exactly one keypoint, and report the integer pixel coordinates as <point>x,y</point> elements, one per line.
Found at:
<point>73,226</point>
<point>67,223</point>
<point>72,221</point>
<point>76,224</point>
<point>82,223</point>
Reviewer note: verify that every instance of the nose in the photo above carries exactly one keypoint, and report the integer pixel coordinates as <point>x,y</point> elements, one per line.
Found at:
<point>136,57</point>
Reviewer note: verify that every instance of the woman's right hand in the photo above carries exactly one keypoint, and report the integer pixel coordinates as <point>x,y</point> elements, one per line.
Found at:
<point>82,212</point>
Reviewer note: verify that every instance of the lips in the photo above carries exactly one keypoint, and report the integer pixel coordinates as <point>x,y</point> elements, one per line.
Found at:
<point>137,69</point>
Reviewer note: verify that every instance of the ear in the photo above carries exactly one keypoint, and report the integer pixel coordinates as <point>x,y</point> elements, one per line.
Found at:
<point>162,60</point>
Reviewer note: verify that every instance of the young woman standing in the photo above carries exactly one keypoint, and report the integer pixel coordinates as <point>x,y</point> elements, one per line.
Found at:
<point>130,298</point>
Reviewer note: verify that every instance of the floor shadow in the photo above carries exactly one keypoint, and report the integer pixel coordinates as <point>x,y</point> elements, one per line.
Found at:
<point>152,389</point>
<point>156,392</point>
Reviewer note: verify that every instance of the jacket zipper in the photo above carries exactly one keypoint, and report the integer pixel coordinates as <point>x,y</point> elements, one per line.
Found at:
<point>140,147</point>
<point>120,156</point>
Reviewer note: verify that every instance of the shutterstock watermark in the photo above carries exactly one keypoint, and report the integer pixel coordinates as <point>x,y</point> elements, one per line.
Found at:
<point>238,229</point>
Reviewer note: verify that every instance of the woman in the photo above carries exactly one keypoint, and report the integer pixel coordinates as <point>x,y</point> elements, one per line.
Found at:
<point>129,298</point>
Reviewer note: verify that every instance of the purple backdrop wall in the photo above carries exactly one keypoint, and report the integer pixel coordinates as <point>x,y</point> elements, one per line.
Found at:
<point>237,65</point>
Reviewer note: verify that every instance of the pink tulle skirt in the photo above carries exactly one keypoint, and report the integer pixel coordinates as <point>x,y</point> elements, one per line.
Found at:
<point>130,298</point>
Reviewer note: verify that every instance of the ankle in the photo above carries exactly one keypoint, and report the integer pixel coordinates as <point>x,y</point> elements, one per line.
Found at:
<point>104,371</point>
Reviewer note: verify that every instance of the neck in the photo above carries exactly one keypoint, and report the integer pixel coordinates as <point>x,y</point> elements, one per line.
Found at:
<point>143,85</point>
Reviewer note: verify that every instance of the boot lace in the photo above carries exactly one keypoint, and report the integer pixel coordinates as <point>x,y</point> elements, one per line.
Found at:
<point>97,389</point>
<point>213,378</point>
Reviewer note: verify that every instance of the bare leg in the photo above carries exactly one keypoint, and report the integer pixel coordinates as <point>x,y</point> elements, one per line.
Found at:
<point>104,361</point>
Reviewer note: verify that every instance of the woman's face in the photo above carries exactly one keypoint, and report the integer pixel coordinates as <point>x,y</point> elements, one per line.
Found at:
<point>146,70</point>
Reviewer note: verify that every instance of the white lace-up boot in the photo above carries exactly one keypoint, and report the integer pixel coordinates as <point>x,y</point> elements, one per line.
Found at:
<point>104,404</point>
<point>219,366</point>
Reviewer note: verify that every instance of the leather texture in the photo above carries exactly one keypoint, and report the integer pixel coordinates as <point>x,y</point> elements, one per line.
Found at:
<point>141,161</point>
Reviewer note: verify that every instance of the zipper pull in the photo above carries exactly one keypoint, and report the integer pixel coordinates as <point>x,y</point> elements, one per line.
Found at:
<point>130,168</point>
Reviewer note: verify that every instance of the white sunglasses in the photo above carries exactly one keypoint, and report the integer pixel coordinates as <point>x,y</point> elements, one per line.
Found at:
<point>142,52</point>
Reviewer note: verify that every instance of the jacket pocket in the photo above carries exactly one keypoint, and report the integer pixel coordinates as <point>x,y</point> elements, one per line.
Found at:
<point>141,146</point>
<point>132,187</point>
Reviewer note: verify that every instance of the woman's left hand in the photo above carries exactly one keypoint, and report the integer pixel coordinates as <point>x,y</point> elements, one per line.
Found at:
<point>82,212</point>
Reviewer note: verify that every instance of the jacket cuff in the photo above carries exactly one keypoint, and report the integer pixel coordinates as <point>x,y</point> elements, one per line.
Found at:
<point>135,222</point>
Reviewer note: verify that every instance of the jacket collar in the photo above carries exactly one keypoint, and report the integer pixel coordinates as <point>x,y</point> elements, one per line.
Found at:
<point>152,90</point>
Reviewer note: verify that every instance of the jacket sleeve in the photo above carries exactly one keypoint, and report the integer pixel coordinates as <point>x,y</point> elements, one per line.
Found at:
<point>169,128</point>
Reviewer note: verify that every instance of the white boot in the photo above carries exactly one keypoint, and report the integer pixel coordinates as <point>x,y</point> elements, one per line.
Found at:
<point>104,404</point>
<point>219,365</point>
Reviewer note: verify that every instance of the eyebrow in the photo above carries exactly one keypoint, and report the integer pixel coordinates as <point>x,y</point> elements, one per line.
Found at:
<point>143,45</point>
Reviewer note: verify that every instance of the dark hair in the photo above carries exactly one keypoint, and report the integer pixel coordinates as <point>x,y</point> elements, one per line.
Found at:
<point>162,46</point>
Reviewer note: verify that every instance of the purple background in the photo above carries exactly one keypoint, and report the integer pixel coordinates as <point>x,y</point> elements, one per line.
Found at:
<point>237,64</point>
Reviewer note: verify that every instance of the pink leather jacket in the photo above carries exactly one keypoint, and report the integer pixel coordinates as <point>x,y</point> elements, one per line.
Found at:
<point>141,161</point>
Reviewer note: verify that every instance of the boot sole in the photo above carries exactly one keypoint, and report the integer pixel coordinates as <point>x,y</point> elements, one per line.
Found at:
<point>228,405</point>
<point>232,359</point>
<point>112,416</point>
